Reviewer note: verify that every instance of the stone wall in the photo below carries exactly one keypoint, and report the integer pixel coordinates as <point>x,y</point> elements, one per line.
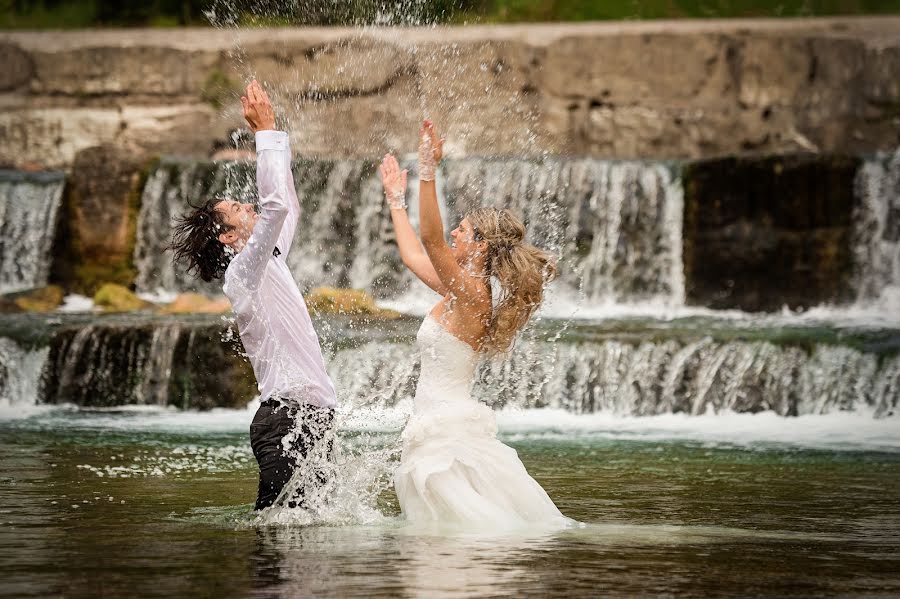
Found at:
<point>760,234</point>
<point>624,90</point>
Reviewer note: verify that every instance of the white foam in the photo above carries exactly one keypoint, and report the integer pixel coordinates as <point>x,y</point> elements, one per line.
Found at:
<point>840,430</point>
<point>158,296</point>
<point>76,303</point>
<point>851,431</point>
<point>11,412</point>
<point>418,300</point>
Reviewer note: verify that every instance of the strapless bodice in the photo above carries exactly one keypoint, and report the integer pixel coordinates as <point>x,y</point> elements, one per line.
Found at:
<point>447,365</point>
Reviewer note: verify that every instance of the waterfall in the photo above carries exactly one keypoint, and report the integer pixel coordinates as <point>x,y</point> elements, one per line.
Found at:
<point>616,226</point>
<point>20,373</point>
<point>195,363</point>
<point>96,366</point>
<point>648,378</point>
<point>170,363</point>
<point>29,203</point>
<point>876,232</point>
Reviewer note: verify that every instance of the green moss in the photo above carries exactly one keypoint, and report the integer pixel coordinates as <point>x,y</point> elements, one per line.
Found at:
<point>218,89</point>
<point>117,298</point>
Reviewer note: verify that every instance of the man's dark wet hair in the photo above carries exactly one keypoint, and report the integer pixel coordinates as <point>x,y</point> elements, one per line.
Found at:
<point>195,241</point>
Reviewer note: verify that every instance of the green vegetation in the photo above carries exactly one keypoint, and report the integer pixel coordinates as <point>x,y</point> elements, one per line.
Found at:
<point>67,14</point>
<point>218,89</point>
<point>509,11</point>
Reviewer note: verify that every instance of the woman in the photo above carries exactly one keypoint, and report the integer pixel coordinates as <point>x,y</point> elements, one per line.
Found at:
<point>453,469</point>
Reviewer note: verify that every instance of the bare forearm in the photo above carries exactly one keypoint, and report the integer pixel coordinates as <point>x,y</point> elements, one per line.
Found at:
<point>407,240</point>
<point>431,227</point>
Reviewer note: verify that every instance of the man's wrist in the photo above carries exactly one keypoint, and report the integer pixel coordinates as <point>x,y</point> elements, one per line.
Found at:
<point>271,139</point>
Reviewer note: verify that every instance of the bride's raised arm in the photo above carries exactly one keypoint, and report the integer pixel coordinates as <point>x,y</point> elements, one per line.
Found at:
<point>453,276</point>
<point>411,251</point>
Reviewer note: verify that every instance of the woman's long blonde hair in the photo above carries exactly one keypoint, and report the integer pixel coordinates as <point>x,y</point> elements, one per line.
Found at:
<point>521,269</point>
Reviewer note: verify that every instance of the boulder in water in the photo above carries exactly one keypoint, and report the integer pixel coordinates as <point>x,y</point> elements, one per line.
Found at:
<point>117,298</point>
<point>197,303</point>
<point>42,299</point>
<point>331,300</point>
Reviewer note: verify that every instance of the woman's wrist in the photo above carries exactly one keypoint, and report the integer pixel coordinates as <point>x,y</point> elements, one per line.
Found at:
<point>396,199</point>
<point>427,162</point>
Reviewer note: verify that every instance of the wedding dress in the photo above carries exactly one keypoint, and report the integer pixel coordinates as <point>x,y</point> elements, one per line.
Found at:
<point>453,470</point>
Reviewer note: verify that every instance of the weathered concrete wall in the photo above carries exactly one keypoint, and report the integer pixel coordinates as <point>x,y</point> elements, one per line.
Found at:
<point>653,90</point>
<point>760,234</point>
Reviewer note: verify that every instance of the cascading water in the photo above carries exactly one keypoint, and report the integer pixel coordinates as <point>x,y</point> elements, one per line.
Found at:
<point>29,203</point>
<point>20,373</point>
<point>877,232</point>
<point>186,364</point>
<point>170,363</point>
<point>648,378</point>
<point>615,225</point>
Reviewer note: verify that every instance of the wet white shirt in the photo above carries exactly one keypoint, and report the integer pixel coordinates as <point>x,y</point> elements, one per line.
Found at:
<point>271,315</point>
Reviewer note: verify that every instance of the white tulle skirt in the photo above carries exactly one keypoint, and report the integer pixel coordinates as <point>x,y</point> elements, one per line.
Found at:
<point>454,471</point>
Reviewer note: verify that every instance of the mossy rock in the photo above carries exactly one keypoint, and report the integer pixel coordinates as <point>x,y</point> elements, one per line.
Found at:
<point>330,300</point>
<point>196,303</point>
<point>117,298</point>
<point>43,299</point>
<point>95,238</point>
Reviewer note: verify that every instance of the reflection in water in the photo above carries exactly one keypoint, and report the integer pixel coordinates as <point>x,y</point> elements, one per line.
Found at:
<point>401,560</point>
<point>398,560</point>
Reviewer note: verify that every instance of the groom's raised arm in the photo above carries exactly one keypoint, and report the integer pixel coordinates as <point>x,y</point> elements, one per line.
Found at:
<point>286,238</point>
<point>272,175</point>
<point>272,155</point>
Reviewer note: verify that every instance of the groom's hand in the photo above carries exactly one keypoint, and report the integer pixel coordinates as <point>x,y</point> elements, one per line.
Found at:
<point>258,109</point>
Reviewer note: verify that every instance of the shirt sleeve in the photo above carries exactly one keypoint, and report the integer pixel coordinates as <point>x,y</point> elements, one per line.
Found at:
<point>286,238</point>
<point>272,180</point>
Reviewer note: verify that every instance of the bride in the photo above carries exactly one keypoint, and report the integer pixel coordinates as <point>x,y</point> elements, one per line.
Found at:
<point>453,469</point>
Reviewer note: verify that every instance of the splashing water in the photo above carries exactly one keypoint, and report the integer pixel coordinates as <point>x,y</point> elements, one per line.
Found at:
<point>616,227</point>
<point>338,489</point>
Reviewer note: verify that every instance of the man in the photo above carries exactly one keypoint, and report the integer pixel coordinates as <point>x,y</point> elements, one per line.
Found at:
<point>227,239</point>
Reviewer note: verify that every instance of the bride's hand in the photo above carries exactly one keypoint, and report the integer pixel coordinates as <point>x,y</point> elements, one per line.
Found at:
<point>429,136</point>
<point>394,182</point>
<point>431,150</point>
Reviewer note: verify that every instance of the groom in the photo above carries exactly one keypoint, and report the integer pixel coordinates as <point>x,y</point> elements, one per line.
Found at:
<point>227,239</point>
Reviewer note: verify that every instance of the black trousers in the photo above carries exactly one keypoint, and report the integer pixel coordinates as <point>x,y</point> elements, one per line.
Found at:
<point>309,442</point>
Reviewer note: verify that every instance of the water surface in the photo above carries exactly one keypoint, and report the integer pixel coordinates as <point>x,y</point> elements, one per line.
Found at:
<point>158,503</point>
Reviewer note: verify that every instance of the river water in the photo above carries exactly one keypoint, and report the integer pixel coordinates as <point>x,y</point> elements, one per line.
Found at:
<point>157,502</point>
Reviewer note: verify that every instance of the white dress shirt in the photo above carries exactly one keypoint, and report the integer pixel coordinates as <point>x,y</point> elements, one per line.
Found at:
<point>271,315</point>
